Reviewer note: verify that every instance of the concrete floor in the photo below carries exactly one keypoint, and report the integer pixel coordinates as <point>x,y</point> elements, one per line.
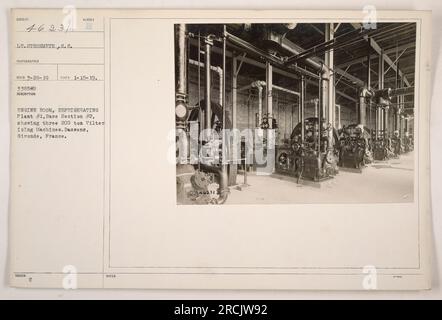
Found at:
<point>379,182</point>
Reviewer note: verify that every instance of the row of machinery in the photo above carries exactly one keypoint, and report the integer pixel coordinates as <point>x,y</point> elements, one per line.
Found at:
<point>315,149</point>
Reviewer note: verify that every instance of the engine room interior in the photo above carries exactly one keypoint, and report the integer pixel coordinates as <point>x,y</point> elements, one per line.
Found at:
<point>294,113</point>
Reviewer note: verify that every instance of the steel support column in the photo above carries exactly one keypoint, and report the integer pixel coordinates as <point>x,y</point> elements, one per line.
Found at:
<point>329,62</point>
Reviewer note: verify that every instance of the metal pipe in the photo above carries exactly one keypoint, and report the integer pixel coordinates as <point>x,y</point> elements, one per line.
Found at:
<point>329,61</point>
<point>368,84</point>
<point>234,91</point>
<point>259,106</point>
<point>218,70</point>
<point>320,114</point>
<point>181,108</point>
<point>286,90</point>
<point>181,58</point>
<point>254,50</point>
<point>381,121</point>
<point>269,93</point>
<point>381,80</point>
<point>302,108</point>
<point>404,91</point>
<point>224,177</point>
<point>258,83</point>
<point>364,94</point>
<point>222,170</point>
<point>207,93</point>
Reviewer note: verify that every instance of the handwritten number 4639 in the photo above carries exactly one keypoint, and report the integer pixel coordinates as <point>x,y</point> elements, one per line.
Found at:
<point>50,28</point>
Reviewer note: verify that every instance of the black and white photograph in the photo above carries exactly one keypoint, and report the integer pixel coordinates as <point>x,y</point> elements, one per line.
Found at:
<point>280,113</point>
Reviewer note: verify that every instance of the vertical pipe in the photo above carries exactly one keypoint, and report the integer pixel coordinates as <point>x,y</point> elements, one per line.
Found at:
<point>379,118</point>
<point>207,93</point>
<point>234,91</point>
<point>316,104</point>
<point>320,113</point>
<point>302,108</point>
<point>402,104</point>
<point>181,61</point>
<point>368,65</point>
<point>339,116</point>
<point>362,108</point>
<point>376,122</point>
<point>259,106</point>
<point>269,86</point>
<point>323,114</point>
<point>224,87</point>
<point>299,106</point>
<point>329,61</point>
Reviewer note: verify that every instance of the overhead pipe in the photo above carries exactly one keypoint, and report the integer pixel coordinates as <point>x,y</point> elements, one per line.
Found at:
<point>274,60</point>
<point>404,91</point>
<point>256,84</point>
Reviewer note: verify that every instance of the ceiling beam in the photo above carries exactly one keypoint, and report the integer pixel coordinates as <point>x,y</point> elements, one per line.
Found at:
<point>387,59</point>
<point>364,59</point>
<point>353,79</point>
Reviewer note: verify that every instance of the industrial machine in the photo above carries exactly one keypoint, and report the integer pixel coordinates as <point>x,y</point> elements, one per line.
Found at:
<point>355,147</point>
<point>396,146</point>
<point>408,142</point>
<point>313,157</point>
<point>381,149</point>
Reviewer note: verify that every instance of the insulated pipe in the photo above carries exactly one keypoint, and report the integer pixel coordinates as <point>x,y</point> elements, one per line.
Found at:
<point>386,119</point>
<point>220,171</point>
<point>181,57</point>
<point>362,112</point>
<point>302,108</point>
<point>320,114</point>
<point>381,121</point>
<point>220,73</point>
<point>382,92</point>
<point>376,124</point>
<point>269,93</point>
<point>405,91</point>
<point>207,96</point>
<point>181,108</point>
<point>323,95</point>
<point>259,106</point>
<point>250,48</point>
<point>224,177</point>
<point>258,83</point>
